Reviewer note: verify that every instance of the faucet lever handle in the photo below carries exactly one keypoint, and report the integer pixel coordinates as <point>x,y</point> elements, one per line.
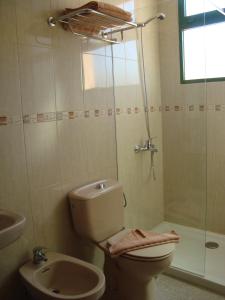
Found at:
<point>39,250</point>
<point>39,254</point>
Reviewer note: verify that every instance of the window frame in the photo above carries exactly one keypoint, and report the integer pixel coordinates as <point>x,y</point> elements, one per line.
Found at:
<point>188,22</point>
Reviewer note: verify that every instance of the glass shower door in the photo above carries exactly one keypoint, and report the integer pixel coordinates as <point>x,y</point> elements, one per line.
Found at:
<point>184,135</point>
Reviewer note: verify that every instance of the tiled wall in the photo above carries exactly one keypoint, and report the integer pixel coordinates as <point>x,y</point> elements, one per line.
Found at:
<point>193,138</point>
<point>57,128</point>
<point>144,194</point>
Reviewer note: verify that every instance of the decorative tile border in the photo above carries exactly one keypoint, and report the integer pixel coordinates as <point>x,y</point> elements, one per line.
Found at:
<point>96,113</point>
<point>194,108</point>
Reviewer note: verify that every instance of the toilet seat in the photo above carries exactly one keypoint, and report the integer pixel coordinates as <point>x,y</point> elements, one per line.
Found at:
<point>151,253</point>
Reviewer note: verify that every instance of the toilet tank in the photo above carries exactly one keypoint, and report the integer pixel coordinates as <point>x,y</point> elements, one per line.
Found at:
<point>97,209</point>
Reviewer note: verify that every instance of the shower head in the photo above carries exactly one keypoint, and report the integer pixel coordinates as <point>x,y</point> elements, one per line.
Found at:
<point>159,16</point>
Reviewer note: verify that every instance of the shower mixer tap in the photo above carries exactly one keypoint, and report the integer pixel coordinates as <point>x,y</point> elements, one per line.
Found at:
<point>148,146</point>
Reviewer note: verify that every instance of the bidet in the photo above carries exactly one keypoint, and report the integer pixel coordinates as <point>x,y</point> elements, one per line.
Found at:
<point>63,277</point>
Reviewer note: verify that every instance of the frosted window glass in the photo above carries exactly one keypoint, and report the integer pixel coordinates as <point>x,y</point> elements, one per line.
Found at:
<point>194,7</point>
<point>204,49</point>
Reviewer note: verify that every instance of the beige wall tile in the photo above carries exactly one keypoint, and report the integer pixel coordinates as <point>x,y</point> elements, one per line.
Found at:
<point>72,148</point>
<point>120,82</point>
<point>95,81</point>
<point>8,12</point>
<point>100,143</point>
<point>130,43</point>
<point>37,79</point>
<point>10,102</point>
<point>95,47</point>
<point>32,27</point>
<point>68,77</point>
<point>52,226</point>
<point>42,154</point>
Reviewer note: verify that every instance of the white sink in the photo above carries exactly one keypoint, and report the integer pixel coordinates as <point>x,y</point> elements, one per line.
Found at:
<point>11,227</point>
<point>63,277</point>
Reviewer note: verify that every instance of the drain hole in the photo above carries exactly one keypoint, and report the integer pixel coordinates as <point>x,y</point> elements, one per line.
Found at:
<point>211,245</point>
<point>56,291</point>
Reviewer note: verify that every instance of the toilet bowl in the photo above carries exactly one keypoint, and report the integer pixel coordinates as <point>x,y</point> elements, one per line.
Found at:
<point>98,215</point>
<point>134,273</point>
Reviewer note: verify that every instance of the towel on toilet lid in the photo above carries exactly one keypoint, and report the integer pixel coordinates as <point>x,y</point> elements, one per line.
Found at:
<point>139,239</point>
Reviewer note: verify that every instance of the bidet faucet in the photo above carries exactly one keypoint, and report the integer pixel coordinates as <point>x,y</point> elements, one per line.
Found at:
<point>39,255</point>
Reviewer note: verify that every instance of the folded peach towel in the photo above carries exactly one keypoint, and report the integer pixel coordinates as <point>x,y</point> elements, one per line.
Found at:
<point>139,239</point>
<point>92,24</point>
<point>108,9</point>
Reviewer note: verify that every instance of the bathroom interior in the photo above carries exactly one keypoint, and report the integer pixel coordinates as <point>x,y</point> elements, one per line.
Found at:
<point>77,110</point>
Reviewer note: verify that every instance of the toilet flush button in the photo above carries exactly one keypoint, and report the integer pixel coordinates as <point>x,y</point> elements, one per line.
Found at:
<point>101,186</point>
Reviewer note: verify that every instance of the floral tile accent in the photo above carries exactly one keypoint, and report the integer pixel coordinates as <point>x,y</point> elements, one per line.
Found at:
<point>136,110</point>
<point>129,110</point>
<point>176,108</point>
<point>40,117</point>
<point>46,117</point>
<point>167,108</point>
<point>152,109</point>
<point>118,111</point>
<point>3,120</point>
<point>26,119</point>
<point>110,112</point>
<point>86,113</point>
<point>218,107</point>
<point>97,112</point>
<point>71,115</point>
<point>201,107</point>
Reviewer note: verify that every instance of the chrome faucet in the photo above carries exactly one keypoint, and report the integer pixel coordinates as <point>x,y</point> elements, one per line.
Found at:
<point>148,146</point>
<point>39,255</point>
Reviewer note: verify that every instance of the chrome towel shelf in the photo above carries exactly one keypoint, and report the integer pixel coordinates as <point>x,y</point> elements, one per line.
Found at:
<point>82,17</point>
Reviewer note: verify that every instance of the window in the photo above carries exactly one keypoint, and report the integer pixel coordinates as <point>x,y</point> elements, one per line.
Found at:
<point>202,40</point>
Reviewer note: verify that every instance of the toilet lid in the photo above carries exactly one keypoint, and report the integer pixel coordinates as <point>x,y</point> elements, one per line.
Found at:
<point>151,253</point>
<point>148,253</point>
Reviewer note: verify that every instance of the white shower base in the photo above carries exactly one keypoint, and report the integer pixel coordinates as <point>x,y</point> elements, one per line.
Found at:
<point>192,256</point>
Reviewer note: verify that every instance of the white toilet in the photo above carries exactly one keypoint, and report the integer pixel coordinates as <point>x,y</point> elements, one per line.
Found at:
<point>98,216</point>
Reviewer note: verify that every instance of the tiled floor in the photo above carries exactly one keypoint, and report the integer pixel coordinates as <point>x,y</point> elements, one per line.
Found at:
<point>191,254</point>
<point>169,288</point>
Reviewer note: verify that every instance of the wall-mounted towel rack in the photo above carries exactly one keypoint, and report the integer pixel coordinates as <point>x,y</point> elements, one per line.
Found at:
<point>105,33</point>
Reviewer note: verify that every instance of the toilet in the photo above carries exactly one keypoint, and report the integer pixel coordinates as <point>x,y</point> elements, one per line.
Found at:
<point>98,216</point>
